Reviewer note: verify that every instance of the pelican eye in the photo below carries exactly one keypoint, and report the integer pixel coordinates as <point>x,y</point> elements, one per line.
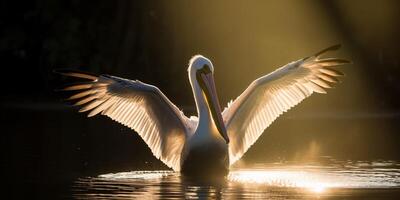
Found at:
<point>205,69</point>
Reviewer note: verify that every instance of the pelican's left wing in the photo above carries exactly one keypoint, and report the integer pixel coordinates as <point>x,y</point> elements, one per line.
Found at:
<point>141,107</point>
<point>266,98</point>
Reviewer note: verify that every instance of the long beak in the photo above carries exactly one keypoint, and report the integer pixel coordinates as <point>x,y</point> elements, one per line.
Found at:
<point>212,100</point>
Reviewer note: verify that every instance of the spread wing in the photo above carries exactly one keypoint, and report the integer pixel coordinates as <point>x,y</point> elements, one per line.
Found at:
<point>269,96</point>
<point>139,106</point>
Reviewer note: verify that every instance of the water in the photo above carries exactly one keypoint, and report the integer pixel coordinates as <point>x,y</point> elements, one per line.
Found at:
<point>332,180</point>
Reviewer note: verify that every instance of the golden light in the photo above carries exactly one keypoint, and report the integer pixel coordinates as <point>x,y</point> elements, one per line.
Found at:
<point>261,181</point>
<point>318,189</point>
<point>315,182</point>
<point>136,175</point>
<point>242,38</point>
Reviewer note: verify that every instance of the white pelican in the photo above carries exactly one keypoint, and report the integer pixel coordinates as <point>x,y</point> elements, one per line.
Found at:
<point>213,140</point>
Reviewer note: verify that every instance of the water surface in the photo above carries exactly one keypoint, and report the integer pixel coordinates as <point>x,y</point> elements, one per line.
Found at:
<point>333,180</point>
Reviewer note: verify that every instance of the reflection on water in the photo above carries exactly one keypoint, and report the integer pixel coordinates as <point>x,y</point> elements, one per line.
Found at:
<point>276,181</point>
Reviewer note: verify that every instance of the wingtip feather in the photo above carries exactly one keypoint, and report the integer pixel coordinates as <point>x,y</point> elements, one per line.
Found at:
<point>331,48</point>
<point>76,74</point>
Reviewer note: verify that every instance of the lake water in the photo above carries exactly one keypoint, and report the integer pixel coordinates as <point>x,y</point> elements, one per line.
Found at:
<point>328,180</point>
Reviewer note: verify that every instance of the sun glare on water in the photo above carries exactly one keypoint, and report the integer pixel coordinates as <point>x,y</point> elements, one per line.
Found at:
<point>313,182</point>
<point>261,181</point>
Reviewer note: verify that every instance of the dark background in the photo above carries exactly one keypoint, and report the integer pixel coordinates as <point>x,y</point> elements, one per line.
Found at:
<point>45,142</point>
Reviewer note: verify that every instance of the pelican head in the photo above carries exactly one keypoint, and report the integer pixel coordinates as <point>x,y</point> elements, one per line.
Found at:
<point>201,75</point>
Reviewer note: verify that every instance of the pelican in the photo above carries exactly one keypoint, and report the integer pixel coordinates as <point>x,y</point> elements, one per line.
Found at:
<point>215,139</point>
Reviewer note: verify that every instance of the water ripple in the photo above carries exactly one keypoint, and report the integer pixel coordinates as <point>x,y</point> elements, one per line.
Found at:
<point>274,181</point>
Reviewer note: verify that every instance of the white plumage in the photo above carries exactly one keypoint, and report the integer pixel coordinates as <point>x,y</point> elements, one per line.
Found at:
<point>171,136</point>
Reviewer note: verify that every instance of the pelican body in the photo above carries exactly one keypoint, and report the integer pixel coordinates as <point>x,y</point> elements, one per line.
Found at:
<point>209,143</point>
<point>208,146</point>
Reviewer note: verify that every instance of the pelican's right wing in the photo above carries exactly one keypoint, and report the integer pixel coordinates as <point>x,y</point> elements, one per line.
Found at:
<point>140,106</point>
<point>266,98</point>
